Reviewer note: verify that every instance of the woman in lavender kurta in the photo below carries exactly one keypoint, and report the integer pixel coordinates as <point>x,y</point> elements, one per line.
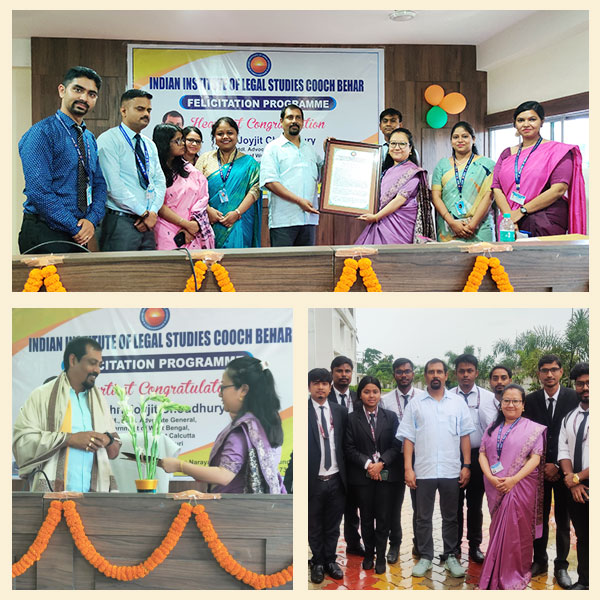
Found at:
<point>405,212</point>
<point>511,456</point>
<point>186,200</point>
<point>245,455</point>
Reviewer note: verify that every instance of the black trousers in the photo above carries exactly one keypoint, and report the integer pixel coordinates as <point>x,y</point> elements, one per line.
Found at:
<point>374,502</point>
<point>398,489</point>
<point>325,509</point>
<point>474,493</point>
<point>580,516</point>
<point>34,231</point>
<point>296,235</point>
<point>351,520</point>
<point>563,525</point>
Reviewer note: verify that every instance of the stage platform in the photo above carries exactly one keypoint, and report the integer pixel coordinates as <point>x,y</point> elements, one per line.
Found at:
<point>533,266</point>
<point>126,528</point>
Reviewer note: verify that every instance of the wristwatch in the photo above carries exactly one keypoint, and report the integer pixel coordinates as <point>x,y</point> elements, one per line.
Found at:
<point>110,437</point>
<point>468,466</point>
<point>523,210</point>
<point>575,478</point>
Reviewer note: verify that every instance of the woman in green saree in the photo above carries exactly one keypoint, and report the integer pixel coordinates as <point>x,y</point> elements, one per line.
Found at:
<point>461,191</point>
<point>234,196</point>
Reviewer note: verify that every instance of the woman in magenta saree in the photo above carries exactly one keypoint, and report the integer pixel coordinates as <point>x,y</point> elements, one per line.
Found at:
<point>511,457</point>
<point>540,182</point>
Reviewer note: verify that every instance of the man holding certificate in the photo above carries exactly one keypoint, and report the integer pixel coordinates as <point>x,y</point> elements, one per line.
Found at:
<point>289,169</point>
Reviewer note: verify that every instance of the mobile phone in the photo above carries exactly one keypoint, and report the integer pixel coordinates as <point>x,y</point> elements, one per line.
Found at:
<point>179,239</point>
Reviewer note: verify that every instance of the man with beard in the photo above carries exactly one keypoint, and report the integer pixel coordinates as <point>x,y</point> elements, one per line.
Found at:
<point>289,169</point>
<point>174,117</point>
<point>65,189</point>
<point>326,475</point>
<point>397,401</point>
<point>389,120</point>
<point>136,182</point>
<point>436,429</point>
<point>483,413</point>
<point>574,458</point>
<point>549,406</point>
<point>64,435</point>
<point>500,377</point>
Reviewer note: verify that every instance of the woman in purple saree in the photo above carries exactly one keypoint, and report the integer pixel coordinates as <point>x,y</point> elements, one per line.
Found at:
<point>511,456</point>
<point>405,212</point>
<point>540,182</point>
<point>245,455</point>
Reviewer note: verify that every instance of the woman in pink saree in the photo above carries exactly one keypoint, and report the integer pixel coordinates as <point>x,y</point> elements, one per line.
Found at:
<point>540,182</point>
<point>511,456</point>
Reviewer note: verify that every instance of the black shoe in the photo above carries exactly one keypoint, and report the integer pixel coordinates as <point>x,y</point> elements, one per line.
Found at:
<point>356,550</point>
<point>333,570</point>
<point>579,586</point>
<point>415,552</point>
<point>380,567</point>
<point>393,552</point>
<point>538,569</point>
<point>367,563</point>
<point>317,573</point>
<point>476,555</point>
<point>563,579</point>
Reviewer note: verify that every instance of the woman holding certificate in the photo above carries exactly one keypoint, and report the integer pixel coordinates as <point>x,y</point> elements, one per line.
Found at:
<point>539,182</point>
<point>404,208</point>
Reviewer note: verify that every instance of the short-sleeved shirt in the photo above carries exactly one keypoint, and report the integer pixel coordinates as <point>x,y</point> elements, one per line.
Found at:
<point>435,428</point>
<point>297,169</point>
<point>568,436</point>
<point>483,411</point>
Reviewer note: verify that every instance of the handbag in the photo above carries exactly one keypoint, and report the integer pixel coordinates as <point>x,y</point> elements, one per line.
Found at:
<point>255,482</point>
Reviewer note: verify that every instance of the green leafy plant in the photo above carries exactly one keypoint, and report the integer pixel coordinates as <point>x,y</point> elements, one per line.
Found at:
<point>147,467</point>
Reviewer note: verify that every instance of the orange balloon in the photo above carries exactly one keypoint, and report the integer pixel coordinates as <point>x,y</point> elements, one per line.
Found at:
<point>453,103</point>
<point>434,94</point>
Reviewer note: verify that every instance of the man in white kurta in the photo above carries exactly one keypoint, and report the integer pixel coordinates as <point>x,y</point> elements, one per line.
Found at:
<point>64,436</point>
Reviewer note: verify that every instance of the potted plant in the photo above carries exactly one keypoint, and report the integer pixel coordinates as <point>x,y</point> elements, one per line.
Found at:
<point>146,462</point>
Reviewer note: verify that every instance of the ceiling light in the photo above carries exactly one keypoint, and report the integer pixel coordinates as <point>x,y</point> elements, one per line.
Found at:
<point>402,15</point>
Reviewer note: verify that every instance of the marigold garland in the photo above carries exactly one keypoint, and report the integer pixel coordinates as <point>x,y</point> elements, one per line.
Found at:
<point>200,271</point>
<point>48,276</point>
<point>128,573</point>
<point>497,271</point>
<point>220,272</point>
<point>349,275</point>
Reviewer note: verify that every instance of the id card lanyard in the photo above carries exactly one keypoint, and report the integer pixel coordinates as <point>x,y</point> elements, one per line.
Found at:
<point>376,455</point>
<point>223,192</point>
<point>500,442</point>
<point>400,402</point>
<point>461,182</point>
<point>144,166</point>
<point>518,170</point>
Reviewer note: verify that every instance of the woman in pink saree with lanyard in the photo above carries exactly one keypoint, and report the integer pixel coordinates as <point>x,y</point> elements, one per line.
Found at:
<point>540,182</point>
<point>511,456</point>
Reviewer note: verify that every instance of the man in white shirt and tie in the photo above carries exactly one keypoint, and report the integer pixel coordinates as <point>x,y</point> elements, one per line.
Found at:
<point>483,412</point>
<point>397,400</point>
<point>500,377</point>
<point>574,460</point>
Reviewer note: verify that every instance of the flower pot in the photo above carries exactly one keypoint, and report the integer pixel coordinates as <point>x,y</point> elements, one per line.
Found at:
<point>146,486</point>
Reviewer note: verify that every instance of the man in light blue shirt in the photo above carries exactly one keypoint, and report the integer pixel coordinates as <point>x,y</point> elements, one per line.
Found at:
<point>134,178</point>
<point>436,428</point>
<point>290,169</point>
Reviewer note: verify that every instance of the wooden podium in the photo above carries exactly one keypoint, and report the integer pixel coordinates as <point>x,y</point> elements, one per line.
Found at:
<point>126,528</point>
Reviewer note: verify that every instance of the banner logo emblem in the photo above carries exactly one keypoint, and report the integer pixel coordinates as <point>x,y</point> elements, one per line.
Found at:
<point>154,318</point>
<point>258,64</point>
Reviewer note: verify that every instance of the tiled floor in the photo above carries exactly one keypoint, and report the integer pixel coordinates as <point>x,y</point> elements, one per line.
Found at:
<point>398,576</point>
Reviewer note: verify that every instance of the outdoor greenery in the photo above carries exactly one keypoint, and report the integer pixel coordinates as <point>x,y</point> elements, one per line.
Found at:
<point>521,354</point>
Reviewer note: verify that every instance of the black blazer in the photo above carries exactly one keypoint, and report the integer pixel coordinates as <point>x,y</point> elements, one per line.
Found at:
<point>340,418</point>
<point>333,398</point>
<point>535,409</point>
<point>359,445</point>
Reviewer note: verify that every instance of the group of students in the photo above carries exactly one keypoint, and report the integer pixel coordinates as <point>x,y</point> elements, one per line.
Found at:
<point>520,451</point>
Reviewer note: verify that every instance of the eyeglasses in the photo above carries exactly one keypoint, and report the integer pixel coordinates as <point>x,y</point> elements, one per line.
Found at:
<point>511,401</point>
<point>194,142</point>
<point>178,142</point>
<point>403,371</point>
<point>582,384</point>
<point>553,370</point>
<point>224,387</point>
<point>399,145</point>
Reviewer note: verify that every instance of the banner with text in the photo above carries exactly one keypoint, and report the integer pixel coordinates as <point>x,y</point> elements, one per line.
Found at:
<point>339,89</point>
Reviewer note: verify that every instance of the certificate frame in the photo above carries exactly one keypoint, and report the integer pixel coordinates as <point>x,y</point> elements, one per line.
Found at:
<point>331,199</point>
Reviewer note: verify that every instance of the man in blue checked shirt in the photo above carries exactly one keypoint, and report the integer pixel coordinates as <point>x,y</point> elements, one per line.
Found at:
<point>65,189</point>
<point>136,182</point>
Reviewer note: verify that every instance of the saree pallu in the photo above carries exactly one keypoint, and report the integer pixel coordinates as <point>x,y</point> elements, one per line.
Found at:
<point>244,175</point>
<point>250,434</point>
<point>535,179</point>
<point>477,183</point>
<point>517,515</point>
<point>413,220</point>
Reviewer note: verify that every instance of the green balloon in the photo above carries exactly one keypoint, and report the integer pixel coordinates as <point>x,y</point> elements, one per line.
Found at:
<point>436,117</point>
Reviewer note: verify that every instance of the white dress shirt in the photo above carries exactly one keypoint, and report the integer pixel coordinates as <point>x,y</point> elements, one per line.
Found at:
<point>347,400</point>
<point>394,400</point>
<point>329,420</point>
<point>568,436</point>
<point>483,410</point>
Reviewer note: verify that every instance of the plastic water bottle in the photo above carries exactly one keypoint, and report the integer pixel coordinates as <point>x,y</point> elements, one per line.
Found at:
<point>507,229</point>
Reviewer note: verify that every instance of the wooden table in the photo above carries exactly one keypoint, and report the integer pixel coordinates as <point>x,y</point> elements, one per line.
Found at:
<point>126,528</point>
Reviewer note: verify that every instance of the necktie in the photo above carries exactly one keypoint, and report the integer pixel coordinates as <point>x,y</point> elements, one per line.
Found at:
<point>465,396</point>
<point>550,401</point>
<point>326,440</point>
<point>343,399</point>
<point>405,396</point>
<point>579,444</point>
<point>82,178</point>
<point>372,418</point>
<point>142,157</point>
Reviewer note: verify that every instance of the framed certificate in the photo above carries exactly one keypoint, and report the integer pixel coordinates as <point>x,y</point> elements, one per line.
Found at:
<point>350,184</point>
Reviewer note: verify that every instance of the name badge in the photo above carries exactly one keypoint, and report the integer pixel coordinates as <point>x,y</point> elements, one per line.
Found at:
<point>88,194</point>
<point>518,198</point>
<point>496,468</point>
<point>461,209</point>
<point>149,195</point>
<point>223,196</point>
